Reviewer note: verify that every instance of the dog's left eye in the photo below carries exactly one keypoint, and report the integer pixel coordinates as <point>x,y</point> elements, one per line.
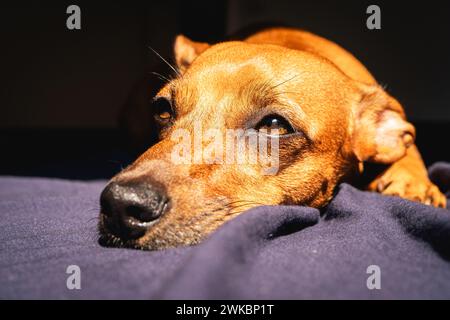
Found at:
<point>162,110</point>
<point>275,122</point>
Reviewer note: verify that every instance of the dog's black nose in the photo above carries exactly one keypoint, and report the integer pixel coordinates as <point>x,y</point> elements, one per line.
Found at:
<point>131,208</point>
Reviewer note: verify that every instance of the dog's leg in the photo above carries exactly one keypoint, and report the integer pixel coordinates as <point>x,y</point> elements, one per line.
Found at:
<point>408,178</point>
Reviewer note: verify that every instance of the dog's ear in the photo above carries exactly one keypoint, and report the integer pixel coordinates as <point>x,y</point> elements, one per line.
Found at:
<point>381,133</point>
<point>186,51</point>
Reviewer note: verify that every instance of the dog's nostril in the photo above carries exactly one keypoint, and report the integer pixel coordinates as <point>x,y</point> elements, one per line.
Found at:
<point>141,214</point>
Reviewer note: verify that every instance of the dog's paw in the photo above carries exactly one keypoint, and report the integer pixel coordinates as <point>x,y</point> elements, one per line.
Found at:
<point>410,186</point>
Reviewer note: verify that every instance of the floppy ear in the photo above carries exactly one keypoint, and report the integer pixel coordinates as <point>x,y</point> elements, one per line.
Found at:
<point>381,133</point>
<point>186,51</point>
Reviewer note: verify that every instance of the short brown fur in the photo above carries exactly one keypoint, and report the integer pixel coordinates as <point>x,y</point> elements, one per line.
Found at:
<point>347,119</point>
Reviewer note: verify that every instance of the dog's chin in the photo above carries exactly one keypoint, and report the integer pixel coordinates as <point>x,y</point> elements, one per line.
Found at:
<point>109,239</point>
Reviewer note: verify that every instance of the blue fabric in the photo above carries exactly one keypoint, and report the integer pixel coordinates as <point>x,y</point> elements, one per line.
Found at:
<point>268,252</point>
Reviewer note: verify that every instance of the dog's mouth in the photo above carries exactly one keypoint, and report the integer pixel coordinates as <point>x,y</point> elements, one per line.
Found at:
<point>112,234</point>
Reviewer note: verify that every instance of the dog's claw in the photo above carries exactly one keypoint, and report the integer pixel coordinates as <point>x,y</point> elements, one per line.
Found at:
<point>406,185</point>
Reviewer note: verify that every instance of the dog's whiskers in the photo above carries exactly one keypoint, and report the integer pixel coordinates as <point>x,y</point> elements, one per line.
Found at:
<point>117,162</point>
<point>285,81</point>
<point>165,61</point>
<point>93,219</point>
<point>245,202</point>
<point>161,77</point>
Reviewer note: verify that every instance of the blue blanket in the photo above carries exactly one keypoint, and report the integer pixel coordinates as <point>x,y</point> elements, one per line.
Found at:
<point>276,252</point>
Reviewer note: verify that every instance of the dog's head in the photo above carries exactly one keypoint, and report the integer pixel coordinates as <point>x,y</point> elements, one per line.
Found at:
<point>244,125</point>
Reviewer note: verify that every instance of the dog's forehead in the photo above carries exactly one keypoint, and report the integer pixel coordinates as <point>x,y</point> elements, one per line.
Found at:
<point>232,70</point>
<point>233,78</point>
<point>225,64</point>
<point>241,52</point>
<point>231,65</point>
<point>273,58</point>
<point>224,83</point>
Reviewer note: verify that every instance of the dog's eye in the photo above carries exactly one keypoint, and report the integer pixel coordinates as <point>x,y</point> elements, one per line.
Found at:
<point>274,122</point>
<point>162,110</point>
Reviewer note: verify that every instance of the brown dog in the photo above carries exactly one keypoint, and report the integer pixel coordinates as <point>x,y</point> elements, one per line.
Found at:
<point>329,116</point>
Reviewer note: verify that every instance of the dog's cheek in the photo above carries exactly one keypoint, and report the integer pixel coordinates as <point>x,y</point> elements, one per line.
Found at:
<point>307,180</point>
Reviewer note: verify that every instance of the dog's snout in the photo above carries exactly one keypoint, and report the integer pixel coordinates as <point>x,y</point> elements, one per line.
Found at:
<point>131,208</point>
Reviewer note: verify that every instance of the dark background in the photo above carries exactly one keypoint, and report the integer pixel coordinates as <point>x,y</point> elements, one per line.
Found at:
<point>61,90</point>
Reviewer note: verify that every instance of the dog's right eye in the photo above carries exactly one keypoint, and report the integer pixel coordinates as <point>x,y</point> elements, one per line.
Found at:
<point>162,110</point>
<point>275,122</point>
